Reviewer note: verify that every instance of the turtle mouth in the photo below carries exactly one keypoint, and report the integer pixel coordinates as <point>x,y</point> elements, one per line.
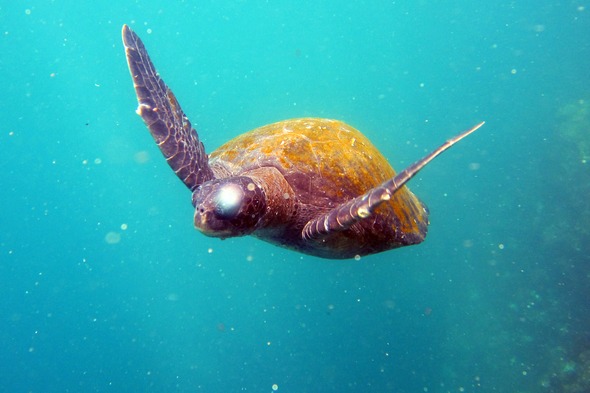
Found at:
<point>209,225</point>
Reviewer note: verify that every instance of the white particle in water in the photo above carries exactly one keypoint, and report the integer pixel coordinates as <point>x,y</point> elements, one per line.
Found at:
<point>112,237</point>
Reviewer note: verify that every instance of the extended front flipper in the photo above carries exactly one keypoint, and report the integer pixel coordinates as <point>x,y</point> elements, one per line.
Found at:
<point>345,215</point>
<point>164,117</point>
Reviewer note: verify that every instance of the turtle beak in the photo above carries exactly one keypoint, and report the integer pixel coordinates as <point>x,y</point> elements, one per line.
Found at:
<point>208,224</point>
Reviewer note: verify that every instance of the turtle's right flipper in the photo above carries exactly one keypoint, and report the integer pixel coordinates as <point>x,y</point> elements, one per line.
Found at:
<point>164,117</point>
<point>344,216</point>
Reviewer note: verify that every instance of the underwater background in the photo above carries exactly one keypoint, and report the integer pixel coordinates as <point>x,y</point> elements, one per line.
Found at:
<point>105,286</point>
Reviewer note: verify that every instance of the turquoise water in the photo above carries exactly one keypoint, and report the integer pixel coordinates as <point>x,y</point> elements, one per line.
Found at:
<point>107,287</point>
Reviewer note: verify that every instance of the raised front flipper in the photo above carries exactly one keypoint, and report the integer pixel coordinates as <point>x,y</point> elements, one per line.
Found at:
<point>345,215</point>
<point>164,117</point>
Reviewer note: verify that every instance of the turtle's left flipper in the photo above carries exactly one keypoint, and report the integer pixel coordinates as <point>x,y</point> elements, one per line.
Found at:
<point>344,216</point>
<point>164,117</point>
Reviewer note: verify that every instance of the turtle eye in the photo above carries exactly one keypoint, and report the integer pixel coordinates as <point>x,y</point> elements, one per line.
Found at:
<point>228,201</point>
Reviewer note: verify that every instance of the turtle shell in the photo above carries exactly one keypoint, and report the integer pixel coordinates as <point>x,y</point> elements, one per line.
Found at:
<point>326,162</point>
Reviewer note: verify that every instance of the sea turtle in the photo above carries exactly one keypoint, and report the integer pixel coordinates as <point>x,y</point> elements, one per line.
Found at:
<point>316,186</point>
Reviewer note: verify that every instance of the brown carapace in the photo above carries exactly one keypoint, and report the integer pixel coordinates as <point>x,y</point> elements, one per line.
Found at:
<point>316,186</point>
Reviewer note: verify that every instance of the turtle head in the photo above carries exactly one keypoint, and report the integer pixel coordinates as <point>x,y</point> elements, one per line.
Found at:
<point>228,207</point>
